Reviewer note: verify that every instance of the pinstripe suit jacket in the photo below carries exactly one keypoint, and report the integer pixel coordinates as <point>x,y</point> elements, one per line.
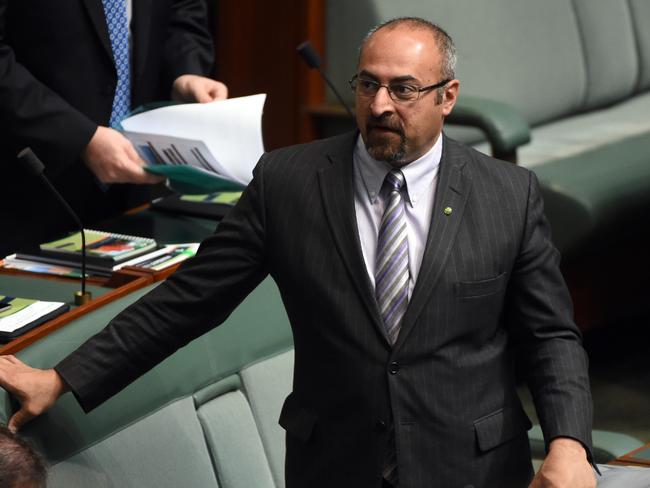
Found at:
<point>489,295</point>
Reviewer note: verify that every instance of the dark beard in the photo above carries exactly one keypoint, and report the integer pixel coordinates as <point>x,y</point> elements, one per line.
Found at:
<point>385,148</point>
<point>388,152</point>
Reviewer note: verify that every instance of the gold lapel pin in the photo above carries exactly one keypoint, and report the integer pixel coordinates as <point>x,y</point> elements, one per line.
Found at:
<point>447,211</point>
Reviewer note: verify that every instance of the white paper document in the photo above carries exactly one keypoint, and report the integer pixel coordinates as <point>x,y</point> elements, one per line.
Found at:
<point>27,315</point>
<point>224,136</point>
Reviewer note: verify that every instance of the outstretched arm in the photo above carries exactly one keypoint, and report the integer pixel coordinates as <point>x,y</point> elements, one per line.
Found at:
<point>36,389</point>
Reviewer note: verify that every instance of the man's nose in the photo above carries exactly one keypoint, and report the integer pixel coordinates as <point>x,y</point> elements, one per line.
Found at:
<point>382,102</point>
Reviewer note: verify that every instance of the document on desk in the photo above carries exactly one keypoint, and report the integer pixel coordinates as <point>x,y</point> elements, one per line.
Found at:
<point>22,314</point>
<point>623,476</point>
<point>211,146</point>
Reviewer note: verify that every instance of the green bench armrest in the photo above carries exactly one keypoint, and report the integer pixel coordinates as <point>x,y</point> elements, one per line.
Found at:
<point>504,128</point>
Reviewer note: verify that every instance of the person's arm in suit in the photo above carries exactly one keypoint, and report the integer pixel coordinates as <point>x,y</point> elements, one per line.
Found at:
<point>188,54</point>
<point>195,299</point>
<point>33,115</point>
<point>548,343</point>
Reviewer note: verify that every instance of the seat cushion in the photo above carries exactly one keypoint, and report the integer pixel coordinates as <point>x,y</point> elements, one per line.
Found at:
<point>583,133</point>
<point>267,384</point>
<point>234,442</point>
<point>165,449</point>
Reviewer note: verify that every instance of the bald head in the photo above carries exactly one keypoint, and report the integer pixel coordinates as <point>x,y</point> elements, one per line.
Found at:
<point>443,41</point>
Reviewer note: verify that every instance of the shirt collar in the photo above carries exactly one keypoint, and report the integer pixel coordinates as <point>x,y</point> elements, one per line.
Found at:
<point>419,174</point>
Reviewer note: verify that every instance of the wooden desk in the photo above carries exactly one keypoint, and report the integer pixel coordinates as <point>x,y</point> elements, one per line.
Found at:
<point>163,227</point>
<point>54,288</point>
<point>639,457</point>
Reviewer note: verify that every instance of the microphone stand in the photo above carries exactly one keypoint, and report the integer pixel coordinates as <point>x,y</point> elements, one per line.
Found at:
<point>311,58</point>
<point>36,167</point>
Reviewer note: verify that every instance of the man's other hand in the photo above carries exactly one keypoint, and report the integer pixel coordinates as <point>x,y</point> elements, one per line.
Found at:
<point>194,88</point>
<point>566,465</point>
<point>113,159</point>
<point>36,389</point>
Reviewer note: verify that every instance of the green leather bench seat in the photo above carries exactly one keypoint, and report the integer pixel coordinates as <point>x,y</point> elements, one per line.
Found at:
<point>572,77</point>
<point>206,416</point>
<point>595,188</point>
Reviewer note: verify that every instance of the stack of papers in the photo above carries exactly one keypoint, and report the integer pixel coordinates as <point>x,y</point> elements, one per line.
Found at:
<point>19,315</point>
<point>201,147</point>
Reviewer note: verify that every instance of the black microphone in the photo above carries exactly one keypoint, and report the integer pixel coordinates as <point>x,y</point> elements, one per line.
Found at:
<point>36,168</point>
<point>310,56</point>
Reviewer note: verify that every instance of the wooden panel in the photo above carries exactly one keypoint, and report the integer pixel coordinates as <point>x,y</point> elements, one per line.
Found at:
<point>256,52</point>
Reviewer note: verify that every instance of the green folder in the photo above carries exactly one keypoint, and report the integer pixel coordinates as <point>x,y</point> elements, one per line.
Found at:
<point>191,181</point>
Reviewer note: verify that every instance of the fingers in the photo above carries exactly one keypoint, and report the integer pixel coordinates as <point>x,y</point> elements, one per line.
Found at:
<point>217,91</point>
<point>20,418</point>
<point>193,88</point>
<point>113,159</point>
<point>204,96</point>
<point>10,358</point>
<point>141,176</point>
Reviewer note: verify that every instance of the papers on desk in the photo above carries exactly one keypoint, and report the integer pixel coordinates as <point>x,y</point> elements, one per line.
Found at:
<point>203,147</point>
<point>24,314</point>
<point>164,257</point>
<point>157,260</point>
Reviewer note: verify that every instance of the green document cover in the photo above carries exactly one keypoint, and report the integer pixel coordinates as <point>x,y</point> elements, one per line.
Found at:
<point>191,180</point>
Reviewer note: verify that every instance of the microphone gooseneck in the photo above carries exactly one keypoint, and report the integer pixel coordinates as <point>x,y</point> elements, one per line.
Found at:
<point>36,167</point>
<point>311,58</point>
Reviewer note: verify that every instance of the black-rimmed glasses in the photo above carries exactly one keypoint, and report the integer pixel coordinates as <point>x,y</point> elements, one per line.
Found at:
<point>399,92</point>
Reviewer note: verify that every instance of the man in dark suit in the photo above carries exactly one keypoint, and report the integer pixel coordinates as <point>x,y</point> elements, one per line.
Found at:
<point>59,76</point>
<point>415,272</point>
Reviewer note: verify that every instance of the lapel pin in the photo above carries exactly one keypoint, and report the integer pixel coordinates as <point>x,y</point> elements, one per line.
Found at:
<point>447,211</point>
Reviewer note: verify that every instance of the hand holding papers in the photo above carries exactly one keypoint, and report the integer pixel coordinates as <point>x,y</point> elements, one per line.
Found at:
<point>201,148</point>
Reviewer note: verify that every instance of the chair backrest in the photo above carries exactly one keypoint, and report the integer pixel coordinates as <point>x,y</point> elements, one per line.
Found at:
<point>547,59</point>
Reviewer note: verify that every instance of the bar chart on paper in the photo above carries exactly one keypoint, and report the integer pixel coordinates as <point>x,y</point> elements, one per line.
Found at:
<point>175,151</point>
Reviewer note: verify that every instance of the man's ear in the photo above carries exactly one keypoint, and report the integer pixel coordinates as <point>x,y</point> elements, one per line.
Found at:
<point>450,97</point>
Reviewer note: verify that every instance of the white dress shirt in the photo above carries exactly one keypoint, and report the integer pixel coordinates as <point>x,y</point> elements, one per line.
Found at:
<point>370,201</point>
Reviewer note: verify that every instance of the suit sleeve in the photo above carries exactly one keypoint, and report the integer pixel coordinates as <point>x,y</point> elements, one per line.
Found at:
<point>188,46</point>
<point>549,344</point>
<point>33,115</point>
<point>194,300</point>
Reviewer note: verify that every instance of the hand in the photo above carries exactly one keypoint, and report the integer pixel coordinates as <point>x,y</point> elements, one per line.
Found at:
<point>194,88</point>
<point>113,159</point>
<point>566,465</point>
<point>36,389</point>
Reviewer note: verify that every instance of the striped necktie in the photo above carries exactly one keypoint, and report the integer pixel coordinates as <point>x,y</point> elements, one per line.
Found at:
<point>391,284</point>
<point>118,32</point>
<point>392,270</point>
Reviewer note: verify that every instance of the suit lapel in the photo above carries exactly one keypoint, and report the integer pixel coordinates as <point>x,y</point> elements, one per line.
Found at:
<point>98,18</point>
<point>452,191</point>
<point>337,193</point>
<point>141,26</point>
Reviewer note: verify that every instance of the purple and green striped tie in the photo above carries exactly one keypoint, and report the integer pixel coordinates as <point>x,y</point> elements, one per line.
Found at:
<point>392,270</point>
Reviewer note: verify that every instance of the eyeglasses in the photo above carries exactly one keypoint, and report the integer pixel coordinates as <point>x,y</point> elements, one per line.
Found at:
<point>399,92</point>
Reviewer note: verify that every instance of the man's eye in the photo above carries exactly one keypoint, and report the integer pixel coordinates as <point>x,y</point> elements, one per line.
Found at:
<point>367,84</point>
<point>400,89</point>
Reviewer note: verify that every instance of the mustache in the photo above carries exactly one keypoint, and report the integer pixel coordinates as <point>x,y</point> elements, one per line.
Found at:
<point>384,123</point>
